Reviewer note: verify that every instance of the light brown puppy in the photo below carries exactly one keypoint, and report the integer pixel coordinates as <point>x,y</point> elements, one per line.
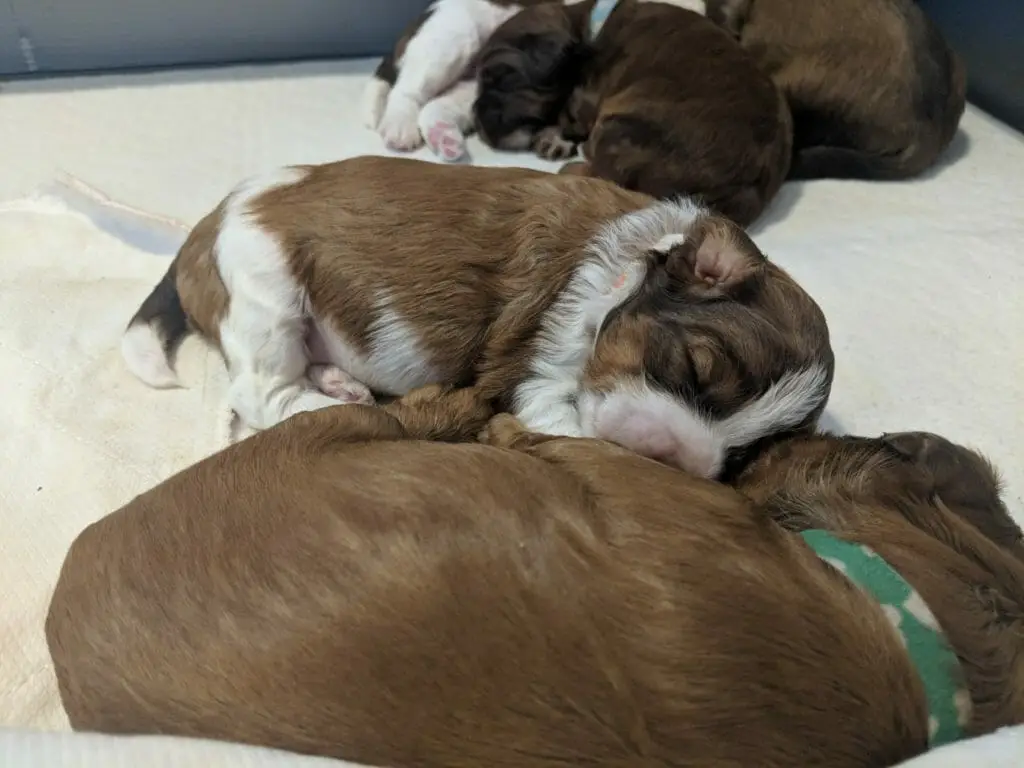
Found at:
<point>583,308</point>
<point>336,586</point>
<point>875,90</point>
<point>663,101</point>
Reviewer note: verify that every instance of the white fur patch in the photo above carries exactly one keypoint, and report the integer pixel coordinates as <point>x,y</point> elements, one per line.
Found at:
<point>444,121</point>
<point>375,99</point>
<point>435,58</point>
<point>263,332</point>
<point>546,401</point>
<point>668,242</point>
<point>396,362</point>
<point>659,426</point>
<point>143,353</point>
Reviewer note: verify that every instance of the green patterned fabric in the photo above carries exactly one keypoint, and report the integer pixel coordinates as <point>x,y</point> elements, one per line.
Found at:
<point>949,703</point>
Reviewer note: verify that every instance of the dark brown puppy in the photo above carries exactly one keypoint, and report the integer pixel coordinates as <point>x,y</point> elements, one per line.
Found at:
<point>875,90</point>
<point>334,586</point>
<point>666,103</point>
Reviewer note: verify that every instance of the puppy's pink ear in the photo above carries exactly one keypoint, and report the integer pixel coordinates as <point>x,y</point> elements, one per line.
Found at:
<point>715,252</point>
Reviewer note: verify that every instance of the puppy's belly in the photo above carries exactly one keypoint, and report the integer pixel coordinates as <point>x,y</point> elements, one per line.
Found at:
<point>393,362</point>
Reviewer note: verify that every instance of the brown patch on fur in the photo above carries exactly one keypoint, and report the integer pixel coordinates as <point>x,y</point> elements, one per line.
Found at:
<point>875,90</point>
<point>198,278</point>
<point>932,509</point>
<point>527,71</point>
<point>520,603</point>
<point>646,120</point>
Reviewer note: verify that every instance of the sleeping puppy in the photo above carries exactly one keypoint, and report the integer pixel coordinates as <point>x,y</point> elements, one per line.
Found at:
<point>538,601</point>
<point>875,90</point>
<point>423,90</point>
<point>663,101</point>
<point>583,308</point>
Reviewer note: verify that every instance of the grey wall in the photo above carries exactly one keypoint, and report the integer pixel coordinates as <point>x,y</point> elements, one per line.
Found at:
<point>989,34</point>
<point>73,35</point>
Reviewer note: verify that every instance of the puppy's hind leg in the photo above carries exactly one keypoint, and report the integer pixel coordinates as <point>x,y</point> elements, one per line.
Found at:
<point>263,333</point>
<point>338,384</point>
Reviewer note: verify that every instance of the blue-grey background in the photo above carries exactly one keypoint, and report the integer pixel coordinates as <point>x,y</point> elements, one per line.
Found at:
<point>55,36</point>
<point>50,36</point>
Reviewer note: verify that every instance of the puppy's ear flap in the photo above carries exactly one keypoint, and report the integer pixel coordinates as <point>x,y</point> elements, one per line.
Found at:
<point>715,253</point>
<point>912,446</point>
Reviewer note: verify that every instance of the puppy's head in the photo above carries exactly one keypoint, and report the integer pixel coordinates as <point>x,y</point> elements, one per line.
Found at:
<point>891,471</point>
<point>714,349</point>
<point>527,70</point>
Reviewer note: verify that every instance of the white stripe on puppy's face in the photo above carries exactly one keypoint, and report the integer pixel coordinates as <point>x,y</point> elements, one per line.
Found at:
<point>435,58</point>
<point>659,426</point>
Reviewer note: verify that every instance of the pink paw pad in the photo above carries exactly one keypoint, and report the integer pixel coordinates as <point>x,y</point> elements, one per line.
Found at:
<point>446,141</point>
<point>335,383</point>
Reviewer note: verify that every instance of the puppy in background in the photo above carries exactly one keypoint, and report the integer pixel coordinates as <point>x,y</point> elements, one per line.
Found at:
<point>875,90</point>
<point>542,601</point>
<point>424,89</point>
<point>583,308</point>
<point>663,101</point>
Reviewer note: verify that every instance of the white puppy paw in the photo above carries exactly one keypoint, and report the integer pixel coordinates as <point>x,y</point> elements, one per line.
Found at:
<point>445,140</point>
<point>334,382</point>
<point>375,100</point>
<point>398,126</point>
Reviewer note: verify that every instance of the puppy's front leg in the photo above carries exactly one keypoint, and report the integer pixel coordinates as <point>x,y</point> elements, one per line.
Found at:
<point>430,413</point>
<point>506,431</point>
<point>551,144</point>
<point>436,56</point>
<point>445,120</point>
<point>437,413</point>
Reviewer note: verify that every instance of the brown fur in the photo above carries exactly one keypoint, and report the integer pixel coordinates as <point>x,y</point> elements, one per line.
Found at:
<point>665,103</point>
<point>335,586</point>
<point>875,90</point>
<point>931,508</point>
<point>476,270</point>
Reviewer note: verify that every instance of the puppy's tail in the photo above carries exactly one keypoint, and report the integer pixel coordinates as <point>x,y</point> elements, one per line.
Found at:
<point>155,332</point>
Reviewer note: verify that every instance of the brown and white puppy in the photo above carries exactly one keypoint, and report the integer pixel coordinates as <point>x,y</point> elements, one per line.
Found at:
<point>333,586</point>
<point>875,90</point>
<point>665,102</point>
<point>583,308</point>
<point>423,90</point>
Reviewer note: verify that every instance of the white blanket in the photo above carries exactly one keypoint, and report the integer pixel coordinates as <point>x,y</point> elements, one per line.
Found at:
<point>921,283</point>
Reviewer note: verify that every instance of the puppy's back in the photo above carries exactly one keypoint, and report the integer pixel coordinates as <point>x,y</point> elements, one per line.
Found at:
<point>687,111</point>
